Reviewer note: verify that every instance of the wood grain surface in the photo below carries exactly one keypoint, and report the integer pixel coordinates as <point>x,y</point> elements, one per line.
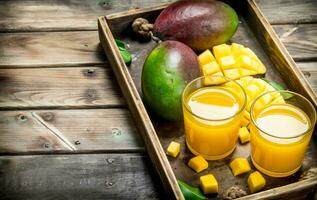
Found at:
<point>289,11</point>
<point>300,40</point>
<point>68,131</point>
<point>62,15</point>
<point>78,177</point>
<point>78,87</point>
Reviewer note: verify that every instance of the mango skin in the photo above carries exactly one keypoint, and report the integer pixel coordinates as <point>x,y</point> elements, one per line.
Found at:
<point>166,71</point>
<point>201,24</point>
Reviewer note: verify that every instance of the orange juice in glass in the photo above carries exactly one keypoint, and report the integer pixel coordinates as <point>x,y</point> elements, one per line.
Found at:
<point>280,133</point>
<point>212,108</point>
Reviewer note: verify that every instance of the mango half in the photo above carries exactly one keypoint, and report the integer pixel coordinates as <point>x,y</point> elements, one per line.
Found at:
<point>232,61</point>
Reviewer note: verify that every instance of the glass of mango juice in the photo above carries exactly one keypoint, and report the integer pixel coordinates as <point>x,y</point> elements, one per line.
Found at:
<point>280,132</point>
<point>213,111</point>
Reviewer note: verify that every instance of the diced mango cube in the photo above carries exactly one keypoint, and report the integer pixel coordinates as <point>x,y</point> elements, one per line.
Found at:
<point>221,50</point>
<point>239,166</point>
<point>206,57</point>
<point>249,52</point>
<point>210,68</point>
<point>246,72</point>
<point>244,135</point>
<point>232,73</point>
<point>256,182</point>
<point>208,184</point>
<point>236,49</point>
<point>227,62</point>
<point>173,149</point>
<point>198,164</point>
<point>252,90</point>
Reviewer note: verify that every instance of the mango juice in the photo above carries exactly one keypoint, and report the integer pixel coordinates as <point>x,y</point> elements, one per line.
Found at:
<point>212,118</point>
<point>279,139</point>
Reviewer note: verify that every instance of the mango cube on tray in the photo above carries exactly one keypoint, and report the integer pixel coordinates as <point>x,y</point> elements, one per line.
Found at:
<point>244,135</point>
<point>239,166</point>
<point>208,184</point>
<point>256,182</point>
<point>173,149</point>
<point>198,164</point>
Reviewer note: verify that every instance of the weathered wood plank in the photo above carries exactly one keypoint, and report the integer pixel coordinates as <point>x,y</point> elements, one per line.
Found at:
<point>62,15</point>
<point>82,15</point>
<point>300,40</point>
<point>50,49</point>
<point>68,131</point>
<point>93,176</point>
<point>289,11</point>
<point>47,49</point>
<point>309,70</point>
<point>59,88</point>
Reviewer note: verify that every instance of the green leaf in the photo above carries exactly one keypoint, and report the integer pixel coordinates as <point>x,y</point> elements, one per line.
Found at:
<point>126,55</point>
<point>120,44</point>
<point>278,86</point>
<point>190,192</point>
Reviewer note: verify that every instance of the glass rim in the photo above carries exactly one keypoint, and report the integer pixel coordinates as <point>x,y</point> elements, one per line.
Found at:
<point>215,120</point>
<point>295,94</point>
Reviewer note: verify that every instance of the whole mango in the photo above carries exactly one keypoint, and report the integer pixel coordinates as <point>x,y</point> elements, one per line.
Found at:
<point>200,24</point>
<point>166,71</point>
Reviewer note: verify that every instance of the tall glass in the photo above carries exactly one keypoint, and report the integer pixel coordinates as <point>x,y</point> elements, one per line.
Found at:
<point>212,108</point>
<point>280,132</point>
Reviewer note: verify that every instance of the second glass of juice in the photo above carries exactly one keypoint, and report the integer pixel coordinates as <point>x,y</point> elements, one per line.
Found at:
<point>280,132</point>
<point>213,111</point>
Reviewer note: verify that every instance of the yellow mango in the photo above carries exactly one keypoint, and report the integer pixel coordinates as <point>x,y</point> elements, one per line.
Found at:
<point>198,164</point>
<point>256,182</point>
<point>239,166</point>
<point>208,184</point>
<point>173,149</point>
<point>244,134</point>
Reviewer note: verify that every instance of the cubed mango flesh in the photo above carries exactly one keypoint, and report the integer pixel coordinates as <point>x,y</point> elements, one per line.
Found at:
<point>239,166</point>
<point>256,182</point>
<point>198,164</point>
<point>208,184</point>
<point>173,149</point>
<point>234,61</point>
<point>206,57</point>
<point>244,135</point>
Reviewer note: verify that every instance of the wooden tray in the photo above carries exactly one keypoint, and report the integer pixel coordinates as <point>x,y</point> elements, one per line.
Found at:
<point>255,32</point>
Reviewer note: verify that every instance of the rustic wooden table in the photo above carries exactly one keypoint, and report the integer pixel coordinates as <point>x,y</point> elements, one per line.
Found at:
<point>65,131</point>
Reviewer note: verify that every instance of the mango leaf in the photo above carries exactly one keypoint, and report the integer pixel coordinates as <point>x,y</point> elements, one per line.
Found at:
<point>120,44</point>
<point>278,86</point>
<point>190,192</point>
<point>126,55</point>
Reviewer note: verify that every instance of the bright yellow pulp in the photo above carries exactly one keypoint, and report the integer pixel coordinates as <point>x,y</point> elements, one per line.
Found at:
<point>232,61</point>
<point>212,123</point>
<point>278,156</point>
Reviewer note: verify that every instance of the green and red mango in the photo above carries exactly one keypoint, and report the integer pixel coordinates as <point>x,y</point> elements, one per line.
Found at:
<point>200,24</point>
<point>166,71</point>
